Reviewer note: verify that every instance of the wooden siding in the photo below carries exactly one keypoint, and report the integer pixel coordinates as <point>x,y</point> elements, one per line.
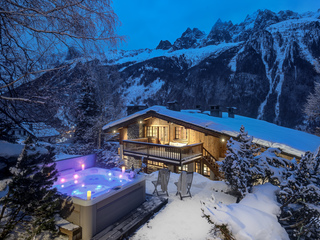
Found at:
<point>212,143</point>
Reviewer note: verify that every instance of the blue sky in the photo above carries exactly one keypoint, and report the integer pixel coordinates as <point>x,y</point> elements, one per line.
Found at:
<point>146,22</point>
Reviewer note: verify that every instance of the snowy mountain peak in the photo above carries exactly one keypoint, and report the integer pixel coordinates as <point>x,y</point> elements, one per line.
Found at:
<point>260,19</point>
<point>194,33</point>
<point>164,45</point>
<point>189,39</point>
<point>219,25</point>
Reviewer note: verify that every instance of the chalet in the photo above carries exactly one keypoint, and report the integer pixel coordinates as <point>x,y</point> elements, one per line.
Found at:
<point>40,130</point>
<point>194,141</point>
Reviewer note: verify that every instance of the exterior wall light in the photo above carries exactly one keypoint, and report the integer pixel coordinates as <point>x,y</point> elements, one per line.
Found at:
<point>223,140</point>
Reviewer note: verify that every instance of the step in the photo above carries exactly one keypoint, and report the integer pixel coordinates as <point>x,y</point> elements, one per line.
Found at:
<point>130,223</point>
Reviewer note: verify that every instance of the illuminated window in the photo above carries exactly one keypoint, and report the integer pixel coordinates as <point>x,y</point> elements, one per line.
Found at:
<point>198,170</point>
<point>181,133</point>
<point>206,170</point>
<point>152,131</point>
<point>155,131</point>
<point>184,168</point>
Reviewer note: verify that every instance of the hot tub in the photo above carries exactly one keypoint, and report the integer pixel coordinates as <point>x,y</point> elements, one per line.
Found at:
<point>113,195</point>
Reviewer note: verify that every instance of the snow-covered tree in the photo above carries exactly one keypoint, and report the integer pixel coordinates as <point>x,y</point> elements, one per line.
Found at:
<point>30,203</point>
<point>312,109</point>
<point>239,164</point>
<point>271,167</point>
<point>86,130</point>
<point>300,198</point>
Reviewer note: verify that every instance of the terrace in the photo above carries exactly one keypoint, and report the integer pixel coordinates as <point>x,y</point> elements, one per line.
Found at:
<point>176,155</point>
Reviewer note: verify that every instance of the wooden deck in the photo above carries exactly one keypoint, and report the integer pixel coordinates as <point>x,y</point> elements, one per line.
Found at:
<point>130,223</point>
<point>176,155</point>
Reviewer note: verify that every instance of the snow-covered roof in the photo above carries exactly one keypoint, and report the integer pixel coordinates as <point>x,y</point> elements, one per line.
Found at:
<point>8,149</point>
<point>41,130</point>
<point>266,134</point>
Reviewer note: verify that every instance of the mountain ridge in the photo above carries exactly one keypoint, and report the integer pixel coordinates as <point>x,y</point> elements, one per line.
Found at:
<point>265,66</point>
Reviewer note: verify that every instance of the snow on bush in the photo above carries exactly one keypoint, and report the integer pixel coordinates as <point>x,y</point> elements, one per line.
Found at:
<point>254,218</point>
<point>300,198</point>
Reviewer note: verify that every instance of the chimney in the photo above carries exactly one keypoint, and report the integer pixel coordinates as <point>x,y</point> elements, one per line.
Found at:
<point>215,111</point>
<point>231,111</point>
<point>174,105</point>
<point>131,109</point>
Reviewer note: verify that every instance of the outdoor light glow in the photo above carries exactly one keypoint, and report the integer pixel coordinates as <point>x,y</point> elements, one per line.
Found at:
<point>63,180</point>
<point>140,122</point>
<point>62,185</point>
<point>114,131</point>
<point>120,180</point>
<point>88,195</point>
<point>82,185</point>
<point>109,174</point>
<point>123,169</point>
<point>82,166</point>
<point>120,176</point>
<point>109,179</point>
<point>75,181</point>
<point>76,176</point>
<point>223,140</point>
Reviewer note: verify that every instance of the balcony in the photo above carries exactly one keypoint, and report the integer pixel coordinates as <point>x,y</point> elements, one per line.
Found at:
<point>176,155</point>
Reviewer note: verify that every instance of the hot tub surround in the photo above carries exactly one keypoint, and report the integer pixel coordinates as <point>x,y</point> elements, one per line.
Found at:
<point>107,206</point>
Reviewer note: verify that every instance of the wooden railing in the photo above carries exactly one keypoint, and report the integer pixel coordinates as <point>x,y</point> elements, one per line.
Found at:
<point>211,162</point>
<point>165,153</point>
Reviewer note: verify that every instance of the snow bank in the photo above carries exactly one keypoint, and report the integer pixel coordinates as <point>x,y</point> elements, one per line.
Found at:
<point>254,218</point>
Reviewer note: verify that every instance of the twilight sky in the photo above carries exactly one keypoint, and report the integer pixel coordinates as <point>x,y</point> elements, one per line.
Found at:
<point>146,22</point>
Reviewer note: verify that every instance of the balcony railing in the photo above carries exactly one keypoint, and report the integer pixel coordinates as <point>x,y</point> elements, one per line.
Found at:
<point>165,153</point>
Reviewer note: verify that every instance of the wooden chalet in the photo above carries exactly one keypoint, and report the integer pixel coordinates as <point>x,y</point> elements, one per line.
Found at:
<point>188,140</point>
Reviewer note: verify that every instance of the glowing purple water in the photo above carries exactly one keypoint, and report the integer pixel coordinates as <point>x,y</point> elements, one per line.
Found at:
<point>96,180</point>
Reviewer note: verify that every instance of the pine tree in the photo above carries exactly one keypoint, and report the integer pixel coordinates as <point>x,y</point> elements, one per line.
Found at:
<point>5,127</point>
<point>312,109</point>
<point>300,199</point>
<point>239,164</point>
<point>86,132</point>
<point>30,203</point>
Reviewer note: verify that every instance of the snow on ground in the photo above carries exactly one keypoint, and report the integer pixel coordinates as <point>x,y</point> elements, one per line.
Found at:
<point>179,219</point>
<point>254,218</point>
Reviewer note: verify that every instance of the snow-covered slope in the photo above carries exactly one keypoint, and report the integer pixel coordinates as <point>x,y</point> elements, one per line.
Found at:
<point>264,66</point>
<point>192,55</point>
